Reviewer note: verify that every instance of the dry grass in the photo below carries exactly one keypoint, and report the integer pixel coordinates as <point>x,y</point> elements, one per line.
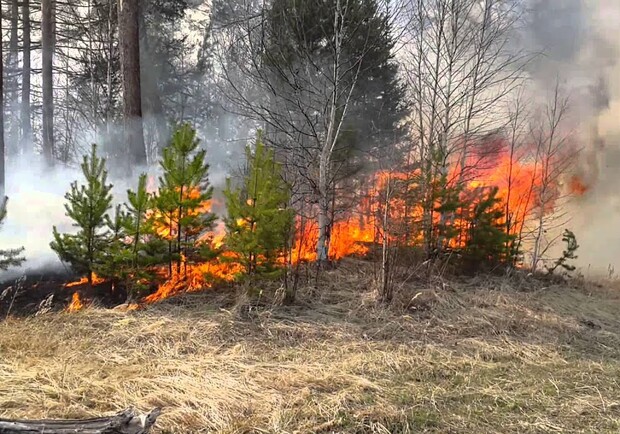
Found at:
<point>476,357</point>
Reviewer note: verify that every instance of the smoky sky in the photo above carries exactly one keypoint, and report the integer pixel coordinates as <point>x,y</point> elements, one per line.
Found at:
<point>579,42</point>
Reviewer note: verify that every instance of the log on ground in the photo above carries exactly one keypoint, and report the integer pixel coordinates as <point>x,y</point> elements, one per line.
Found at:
<point>127,422</point>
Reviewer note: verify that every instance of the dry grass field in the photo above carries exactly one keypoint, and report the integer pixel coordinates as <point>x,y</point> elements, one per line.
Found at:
<point>479,356</point>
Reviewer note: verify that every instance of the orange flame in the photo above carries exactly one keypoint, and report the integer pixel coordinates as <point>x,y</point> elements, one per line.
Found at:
<point>517,180</point>
<point>84,281</point>
<point>577,186</point>
<point>76,303</point>
<point>197,277</point>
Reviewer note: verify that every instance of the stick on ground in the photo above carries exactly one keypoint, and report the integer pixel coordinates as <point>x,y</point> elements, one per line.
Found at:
<point>126,422</point>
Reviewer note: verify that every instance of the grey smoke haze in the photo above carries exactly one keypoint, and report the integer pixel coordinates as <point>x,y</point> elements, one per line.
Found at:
<point>581,44</point>
<point>581,40</point>
<point>37,200</point>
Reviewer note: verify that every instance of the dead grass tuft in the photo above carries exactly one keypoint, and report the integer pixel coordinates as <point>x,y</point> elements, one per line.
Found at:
<point>476,356</point>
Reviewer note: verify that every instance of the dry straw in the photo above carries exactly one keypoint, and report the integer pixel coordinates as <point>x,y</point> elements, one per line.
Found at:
<point>475,356</point>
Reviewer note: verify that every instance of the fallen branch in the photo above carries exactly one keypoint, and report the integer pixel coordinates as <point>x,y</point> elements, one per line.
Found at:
<point>127,422</point>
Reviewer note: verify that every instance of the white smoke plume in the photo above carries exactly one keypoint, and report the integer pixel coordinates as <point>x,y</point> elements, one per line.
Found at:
<point>37,197</point>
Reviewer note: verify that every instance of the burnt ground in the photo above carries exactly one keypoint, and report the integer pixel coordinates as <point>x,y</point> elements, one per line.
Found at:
<point>38,290</point>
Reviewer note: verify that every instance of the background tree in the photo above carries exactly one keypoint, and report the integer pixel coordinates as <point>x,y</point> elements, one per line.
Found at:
<point>2,136</point>
<point>88,206</point>
<point>47,42</point>
<point>129,30</point>
<point>258,221</point>
<point>26,115</point>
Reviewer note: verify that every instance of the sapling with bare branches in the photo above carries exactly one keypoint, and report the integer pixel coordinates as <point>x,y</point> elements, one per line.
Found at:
<point>554,156</point>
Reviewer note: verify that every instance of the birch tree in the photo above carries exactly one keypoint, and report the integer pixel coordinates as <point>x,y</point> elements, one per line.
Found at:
<point>322,65</point>
<point>554,156</point>
<point>460,68</point>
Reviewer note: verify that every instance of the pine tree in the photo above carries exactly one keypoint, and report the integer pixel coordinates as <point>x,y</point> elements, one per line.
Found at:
<point>132,247</point>
<point>487,238</point>
<point>258,221</point>
<point>12,257</point>
<point>183,201</point>
<point>88,205</point>
<point>568,254</point>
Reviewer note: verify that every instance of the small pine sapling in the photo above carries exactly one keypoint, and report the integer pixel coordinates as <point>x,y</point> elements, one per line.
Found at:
<point>182,205</point>
<point>12,257</point>
<point>258,221</point>
<point>568,254</point>
<point>88,205</point>
<point>487,238</point>
<point>132,249</point>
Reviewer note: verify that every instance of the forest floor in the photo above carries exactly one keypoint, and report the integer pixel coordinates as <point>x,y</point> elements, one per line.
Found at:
<point>483,355</point>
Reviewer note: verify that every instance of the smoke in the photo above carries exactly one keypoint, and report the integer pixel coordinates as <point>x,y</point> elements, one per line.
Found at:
<point>37,198</point>
<point>581,44</point>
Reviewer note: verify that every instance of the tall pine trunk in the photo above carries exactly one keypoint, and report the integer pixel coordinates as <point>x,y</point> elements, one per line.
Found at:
<point>26,122</point>
<point>130,64</point>
<point>47,42</point>
<point>2,144</point>
<point>12,87</point>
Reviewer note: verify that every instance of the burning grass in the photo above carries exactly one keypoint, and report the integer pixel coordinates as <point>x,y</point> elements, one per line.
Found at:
<point>469,357</point>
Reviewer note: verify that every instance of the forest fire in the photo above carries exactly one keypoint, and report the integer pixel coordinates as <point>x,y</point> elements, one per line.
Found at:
<point>392,207</point>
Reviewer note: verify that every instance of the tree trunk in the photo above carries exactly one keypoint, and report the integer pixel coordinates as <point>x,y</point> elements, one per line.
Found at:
<point>47,42</point>
<point>152,105</point>
<point>323,220</point>
<point>386,287</point>
<point>130,64</point>
<point>126,422</point>
<point>2,144</point>
<point>13,84</point>
<point>26,122</point>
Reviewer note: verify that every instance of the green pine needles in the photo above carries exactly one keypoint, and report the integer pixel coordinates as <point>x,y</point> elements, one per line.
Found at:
<point>569,253</point>
<point>488,243</point>
<point>258,221</point>
<point>88,205</point>
<point>12,257</point>
<point>182,204</point>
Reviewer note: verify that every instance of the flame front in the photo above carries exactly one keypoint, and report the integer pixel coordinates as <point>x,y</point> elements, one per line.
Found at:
<point>84,281</point>
<point>354,232</point>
